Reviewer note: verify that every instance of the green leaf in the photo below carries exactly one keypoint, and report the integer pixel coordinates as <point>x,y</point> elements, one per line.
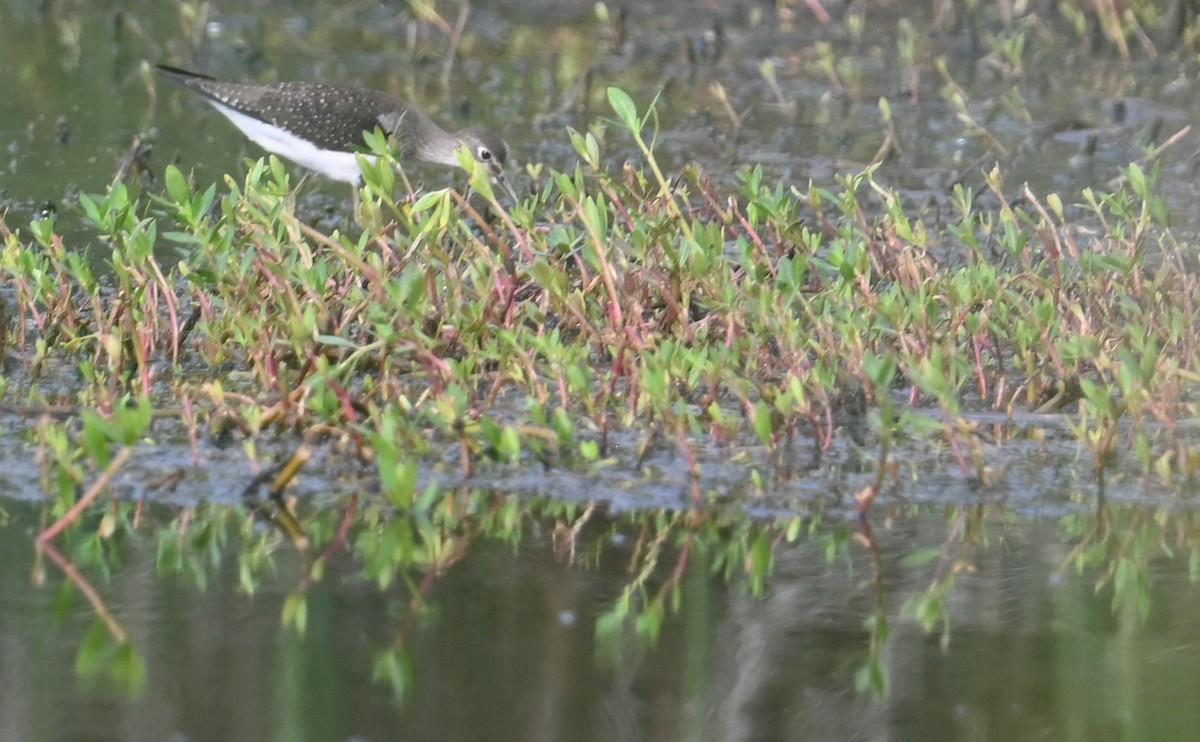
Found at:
<point>295,612</point>
<point>186,238</point>
<point>920,557</point>
<point>334,340</point>
<point>129,669</point>
<point>762,422</point>
<point>177,186</point>
<point>93,652</point>
<point>622,104</point>
<point>97,436</point>
<point>393,667</point>
<point>761,560</point>
<point>130,423</point>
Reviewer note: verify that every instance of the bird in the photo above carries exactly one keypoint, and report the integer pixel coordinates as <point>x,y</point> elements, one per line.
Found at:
<point>321,126</point>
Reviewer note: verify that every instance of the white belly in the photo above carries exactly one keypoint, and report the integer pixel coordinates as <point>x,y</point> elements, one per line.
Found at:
<point>341,166</point>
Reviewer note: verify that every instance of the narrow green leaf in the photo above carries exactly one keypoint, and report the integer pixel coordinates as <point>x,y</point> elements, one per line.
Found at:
<point>623,105</point>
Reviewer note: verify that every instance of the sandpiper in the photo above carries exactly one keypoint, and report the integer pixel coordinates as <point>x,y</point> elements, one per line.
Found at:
<point>321,126</point>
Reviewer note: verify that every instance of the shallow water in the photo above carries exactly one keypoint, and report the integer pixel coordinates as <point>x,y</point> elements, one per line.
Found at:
<point>79,92</point>
<point>510,643</point>
<point>508,647</point>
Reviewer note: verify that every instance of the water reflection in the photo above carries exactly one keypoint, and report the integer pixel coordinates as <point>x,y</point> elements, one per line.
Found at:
<point>509,643</point>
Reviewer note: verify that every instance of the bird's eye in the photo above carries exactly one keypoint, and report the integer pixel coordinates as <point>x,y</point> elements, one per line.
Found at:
<point>485,154</point>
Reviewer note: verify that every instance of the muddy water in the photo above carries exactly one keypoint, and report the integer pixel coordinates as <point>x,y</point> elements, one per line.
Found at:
<point>508,646</point>
<point>1064,116</point>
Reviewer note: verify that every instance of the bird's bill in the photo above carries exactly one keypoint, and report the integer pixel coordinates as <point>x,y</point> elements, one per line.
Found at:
<point>503,181</point>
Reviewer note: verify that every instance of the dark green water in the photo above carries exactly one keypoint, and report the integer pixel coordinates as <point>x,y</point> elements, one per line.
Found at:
<point>1067,119</point>
<point>508,646</point>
